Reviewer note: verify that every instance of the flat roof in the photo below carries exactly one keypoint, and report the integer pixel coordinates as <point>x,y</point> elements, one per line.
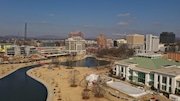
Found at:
<point>127,89</point>
<point>174,71</point>
<point>150,63</point>
<point>152,55</point>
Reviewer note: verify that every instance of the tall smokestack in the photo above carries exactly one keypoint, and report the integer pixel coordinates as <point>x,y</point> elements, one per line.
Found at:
<point>25,33</point>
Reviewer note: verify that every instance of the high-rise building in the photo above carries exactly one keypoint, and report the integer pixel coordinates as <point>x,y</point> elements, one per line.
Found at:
<point>109,42</point>
<point>135,41</point>
<point>167,37</point>
<point>77,33</point>
<point>101,41</point>
<point>75,44</point>
<point>152,43</point>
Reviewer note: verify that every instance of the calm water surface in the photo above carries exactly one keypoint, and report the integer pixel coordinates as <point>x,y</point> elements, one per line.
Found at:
<point>20,87</point>
<point>87,62</point>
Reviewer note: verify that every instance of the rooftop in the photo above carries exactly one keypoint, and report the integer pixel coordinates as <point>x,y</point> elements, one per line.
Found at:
<point>151,63</point>
<point>169,71</point>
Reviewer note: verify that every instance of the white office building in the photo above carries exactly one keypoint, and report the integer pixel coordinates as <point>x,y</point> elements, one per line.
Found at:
<point>15,50</point>
<point>150,70</point>
<point>152,43</point>
<point>75,45</point>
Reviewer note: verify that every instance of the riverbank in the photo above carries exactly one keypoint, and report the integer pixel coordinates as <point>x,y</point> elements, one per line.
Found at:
<point>48,87</point>
<point>57,83</point>
<point>6,69</point>
<point>56,80</point>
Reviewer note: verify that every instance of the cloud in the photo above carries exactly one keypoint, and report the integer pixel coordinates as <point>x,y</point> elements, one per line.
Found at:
<point>156,23</point>
<point>44,22</point>
<point>87,26</point>
<point>123,23</point>
<point>124,14</point>
<point>51,14</point>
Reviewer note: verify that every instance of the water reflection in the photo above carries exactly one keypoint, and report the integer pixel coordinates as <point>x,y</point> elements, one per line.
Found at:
<point>88,62</point>
<point>20,87</point>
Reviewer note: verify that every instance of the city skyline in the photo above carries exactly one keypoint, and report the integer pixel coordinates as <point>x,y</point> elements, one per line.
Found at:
<point>92,18</point>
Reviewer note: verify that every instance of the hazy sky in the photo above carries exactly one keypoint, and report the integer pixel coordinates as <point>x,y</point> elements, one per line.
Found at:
<point>92,17</point>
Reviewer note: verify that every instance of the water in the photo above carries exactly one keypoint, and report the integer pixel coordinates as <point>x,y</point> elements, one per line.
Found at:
<point>87,62</point>
<point>20,87</point>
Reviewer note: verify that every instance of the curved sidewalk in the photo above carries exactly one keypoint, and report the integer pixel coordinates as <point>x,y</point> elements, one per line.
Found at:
<point>48,87</point>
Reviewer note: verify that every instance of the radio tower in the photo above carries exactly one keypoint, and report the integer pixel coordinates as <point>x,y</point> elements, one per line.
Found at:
<point>25,32</point>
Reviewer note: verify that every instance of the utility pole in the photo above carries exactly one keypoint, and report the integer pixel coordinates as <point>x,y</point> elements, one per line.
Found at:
<point>25,41</point>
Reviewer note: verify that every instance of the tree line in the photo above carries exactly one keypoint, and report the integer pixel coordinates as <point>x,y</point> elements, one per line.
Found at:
<point>120,52</point>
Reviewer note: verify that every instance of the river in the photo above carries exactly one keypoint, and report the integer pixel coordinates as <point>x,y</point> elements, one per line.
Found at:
<point>20,87</point>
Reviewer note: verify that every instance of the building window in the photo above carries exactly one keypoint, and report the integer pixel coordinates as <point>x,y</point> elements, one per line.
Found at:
<point>170,81</point>
<point>169,89</point>
<point>122,69</point>
<point>163,87</point>
<point>131,71</point>
<point>141,77</point>
<point>158,78</point>
<point>164,80</point>
<point>152,77</point>
<point>121,75</point>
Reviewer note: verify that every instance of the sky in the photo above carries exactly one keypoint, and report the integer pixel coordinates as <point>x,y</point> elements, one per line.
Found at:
<point>91,17</point>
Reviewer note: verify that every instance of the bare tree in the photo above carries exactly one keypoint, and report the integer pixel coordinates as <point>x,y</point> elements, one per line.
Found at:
<point>59,98</point>
<point>70,61</point>
<point>84,83</point>
<point>122,52</point>
<point>73,78</point>
<point>85,95</point>
<point>56,62</point>
<point>97,88</point>
<point>69,64</point>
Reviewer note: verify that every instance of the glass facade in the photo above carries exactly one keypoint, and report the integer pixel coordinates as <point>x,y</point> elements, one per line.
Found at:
<point>130,78</point>
<point>141,77</point>
<point>151,76</point>
<point>169,89</point>
<point>163,87</point>
<point>164,80</point>
<point>151,83</point>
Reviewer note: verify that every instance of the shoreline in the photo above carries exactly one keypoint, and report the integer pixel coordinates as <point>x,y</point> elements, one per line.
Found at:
<point>30,73</point>
<point>15,68</point>
<point>48,87</point>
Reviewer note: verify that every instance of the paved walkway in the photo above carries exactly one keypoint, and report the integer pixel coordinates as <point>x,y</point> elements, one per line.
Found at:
<point>132,91</point>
